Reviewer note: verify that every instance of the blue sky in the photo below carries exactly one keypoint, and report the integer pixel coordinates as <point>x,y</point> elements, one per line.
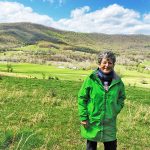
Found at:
<point>102,16</point>
<point>58,9</point>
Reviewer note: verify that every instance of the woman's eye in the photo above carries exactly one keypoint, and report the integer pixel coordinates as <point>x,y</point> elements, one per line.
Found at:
<point>110,63</point>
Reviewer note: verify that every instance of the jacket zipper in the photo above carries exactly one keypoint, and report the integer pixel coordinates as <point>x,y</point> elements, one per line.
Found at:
<point>102,134</point>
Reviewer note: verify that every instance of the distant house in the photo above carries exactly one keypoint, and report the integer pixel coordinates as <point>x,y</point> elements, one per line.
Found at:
<point>61,67</point>
<point>147,68</point>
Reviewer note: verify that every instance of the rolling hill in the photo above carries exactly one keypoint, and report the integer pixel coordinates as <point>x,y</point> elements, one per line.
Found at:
<point>47,43</point>
<point>29,33</point>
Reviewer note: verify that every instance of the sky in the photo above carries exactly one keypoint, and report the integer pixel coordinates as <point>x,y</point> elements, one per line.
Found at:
<point>90,16</point>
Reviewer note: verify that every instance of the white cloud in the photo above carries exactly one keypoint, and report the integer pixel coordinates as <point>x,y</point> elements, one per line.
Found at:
<point>59,2</point>
<point>113,19</point>
<point>78,12</point>
<point>146,18</point>
<point>50,1</point>
<point>16,12</point>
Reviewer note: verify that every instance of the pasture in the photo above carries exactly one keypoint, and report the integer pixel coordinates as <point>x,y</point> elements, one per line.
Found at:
<point>40,113</point>
<point>130,77</point>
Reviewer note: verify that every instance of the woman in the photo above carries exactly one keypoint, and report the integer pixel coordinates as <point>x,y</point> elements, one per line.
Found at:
<point>100,99</point>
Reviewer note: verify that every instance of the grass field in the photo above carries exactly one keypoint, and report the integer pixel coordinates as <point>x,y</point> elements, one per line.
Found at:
<point>42,115</point>
<point>132,78</point>
<point>39,111</point>
<point>45,71</point>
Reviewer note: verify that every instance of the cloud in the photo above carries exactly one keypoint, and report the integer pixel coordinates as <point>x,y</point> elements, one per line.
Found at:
<point>146,18</point>
<point>50,1</point>
<point>16,12</point>
<point>78,12</point>
<point>113,19</point>
<point>59,2</point>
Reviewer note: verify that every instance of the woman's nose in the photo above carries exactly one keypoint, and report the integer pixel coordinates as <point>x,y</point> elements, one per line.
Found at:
<point>107,64</point>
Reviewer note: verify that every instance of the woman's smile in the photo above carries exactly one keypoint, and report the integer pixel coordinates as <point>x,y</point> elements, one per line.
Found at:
<point>106,65</point>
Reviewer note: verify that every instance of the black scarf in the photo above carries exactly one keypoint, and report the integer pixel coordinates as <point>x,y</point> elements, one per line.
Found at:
<point>105,77</point>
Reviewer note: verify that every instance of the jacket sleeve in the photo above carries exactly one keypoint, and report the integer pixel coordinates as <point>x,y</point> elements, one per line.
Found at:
<point>83,97</point>
<point>121,96</point>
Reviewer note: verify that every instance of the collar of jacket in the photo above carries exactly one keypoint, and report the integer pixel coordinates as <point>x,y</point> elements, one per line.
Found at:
<point>94,76</point>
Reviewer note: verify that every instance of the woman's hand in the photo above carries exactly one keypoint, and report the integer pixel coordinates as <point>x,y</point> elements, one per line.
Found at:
<point>84,123</point>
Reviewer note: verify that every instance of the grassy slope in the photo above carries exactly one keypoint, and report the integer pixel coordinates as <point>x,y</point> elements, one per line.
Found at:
<point>42,114</point>
<point>28,33</point>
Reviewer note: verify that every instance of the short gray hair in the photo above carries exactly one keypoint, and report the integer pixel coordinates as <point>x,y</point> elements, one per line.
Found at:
<point>108,55</point>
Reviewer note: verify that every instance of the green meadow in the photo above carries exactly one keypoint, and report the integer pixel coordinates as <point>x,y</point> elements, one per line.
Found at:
<point>44,71</point>
<point>42,114</point>
<point>130,77</point>
<point>39,109</point>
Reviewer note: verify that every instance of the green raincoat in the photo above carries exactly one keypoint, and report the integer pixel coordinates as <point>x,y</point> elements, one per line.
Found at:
<point>100,107</point>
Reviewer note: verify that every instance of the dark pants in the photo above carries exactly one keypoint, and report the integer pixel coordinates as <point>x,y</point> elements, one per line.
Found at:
<point>112,145</point>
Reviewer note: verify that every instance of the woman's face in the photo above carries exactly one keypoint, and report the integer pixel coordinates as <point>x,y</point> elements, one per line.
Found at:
<point>106,65</point>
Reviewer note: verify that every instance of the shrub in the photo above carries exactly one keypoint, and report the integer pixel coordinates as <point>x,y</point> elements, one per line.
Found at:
<point>50,77</point>
<point>144,82</point>
<point>9,68</point>
<point>56,78</point>
<point>43,75</point>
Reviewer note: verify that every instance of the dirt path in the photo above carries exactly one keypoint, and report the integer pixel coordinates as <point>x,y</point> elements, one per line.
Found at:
<point>15,75</point>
